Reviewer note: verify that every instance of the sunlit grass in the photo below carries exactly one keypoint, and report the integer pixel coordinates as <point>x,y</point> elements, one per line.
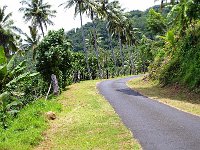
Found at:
<point>87,122</point>
<point>26,130</point>
<point>174,96</point>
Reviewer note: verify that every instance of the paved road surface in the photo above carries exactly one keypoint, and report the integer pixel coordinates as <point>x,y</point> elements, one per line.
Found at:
<point>155,125</point>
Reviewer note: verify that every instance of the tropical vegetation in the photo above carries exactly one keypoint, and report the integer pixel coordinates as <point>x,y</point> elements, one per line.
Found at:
<point>163,41</point>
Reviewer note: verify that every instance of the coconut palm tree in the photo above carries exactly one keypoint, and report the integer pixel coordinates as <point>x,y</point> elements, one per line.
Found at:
<point>79,9</point>
<point>38,12</point>
<point>105,11</point>
<point>130,40</point>
<point>7,36</point>
<point>116,26</point>
<point>91,9</point>
<point>32,40</point>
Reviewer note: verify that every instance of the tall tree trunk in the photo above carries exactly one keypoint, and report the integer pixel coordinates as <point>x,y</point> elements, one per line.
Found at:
<point>121,54</point>
<point>131,59</point>
<point>41,27</point>
<point>95,47</point>
<point>112,50</point>
<point>84,46</point>
<point>107,73</point>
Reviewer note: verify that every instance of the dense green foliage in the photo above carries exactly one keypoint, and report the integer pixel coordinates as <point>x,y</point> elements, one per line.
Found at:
<point>156,22</point>
<point>54,57</point>
<point>11,87</point>
<point>177,56</point>
<point>137,17</point>
<point>161,40</point>
<point>75,35</point>
<point>183,67</point>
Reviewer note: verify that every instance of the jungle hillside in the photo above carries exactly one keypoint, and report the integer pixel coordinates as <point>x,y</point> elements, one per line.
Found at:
<point>36,68</point>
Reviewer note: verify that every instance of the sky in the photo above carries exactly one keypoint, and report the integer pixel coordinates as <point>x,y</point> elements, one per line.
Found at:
<point>65,18</point>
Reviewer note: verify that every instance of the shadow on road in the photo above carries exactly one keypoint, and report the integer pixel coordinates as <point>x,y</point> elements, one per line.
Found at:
<point>129,91</point>
<point>171,92</point>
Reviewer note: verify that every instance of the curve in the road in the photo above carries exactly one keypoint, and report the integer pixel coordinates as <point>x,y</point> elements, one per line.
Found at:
<point>156,125</point>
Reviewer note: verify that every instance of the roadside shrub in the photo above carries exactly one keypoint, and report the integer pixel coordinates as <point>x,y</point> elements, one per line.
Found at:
<point>54,57</point>
<point>33,89</point>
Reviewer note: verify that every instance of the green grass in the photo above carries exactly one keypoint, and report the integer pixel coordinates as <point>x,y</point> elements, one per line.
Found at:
<point>87,122</point>
<point>175,96</point>
<point>26,130</point>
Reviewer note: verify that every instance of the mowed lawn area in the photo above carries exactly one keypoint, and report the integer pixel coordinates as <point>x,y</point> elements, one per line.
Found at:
<point>175,96</point>
<point>87,121</point>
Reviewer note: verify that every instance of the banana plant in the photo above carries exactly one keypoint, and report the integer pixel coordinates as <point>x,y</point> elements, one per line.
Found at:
<point>9,105</point>
<point>170,41</point>
<point>10,76</point>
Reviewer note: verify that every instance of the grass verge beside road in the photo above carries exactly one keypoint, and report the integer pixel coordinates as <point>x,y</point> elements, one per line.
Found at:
<point>174,96</point>
<point>26,131</point>
<point>87,122</point>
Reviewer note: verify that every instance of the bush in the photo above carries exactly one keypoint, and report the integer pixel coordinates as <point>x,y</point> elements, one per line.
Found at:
<point>54,57</point>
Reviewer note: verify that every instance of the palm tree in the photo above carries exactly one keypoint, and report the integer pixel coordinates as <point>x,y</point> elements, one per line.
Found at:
<point>129,41</point>
<point>79,9</point>
<point>116,26</point>
<point>105,11</point>
<point>38,12</point>
<point>7,36</point>
<point>32,40</point>
<point>91,10</point>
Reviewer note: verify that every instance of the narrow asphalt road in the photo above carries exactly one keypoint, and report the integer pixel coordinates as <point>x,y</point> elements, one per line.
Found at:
<point>155,125</point>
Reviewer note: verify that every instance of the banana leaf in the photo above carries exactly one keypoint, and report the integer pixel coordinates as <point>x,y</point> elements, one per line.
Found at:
<point>2,56</point>
<point>14,103</point>
<point>13,112</point>
<point>19,68</point>
<point>3,98</point>
<point>21,77</point>
<point>11,63</point>
<point>3,71</point>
